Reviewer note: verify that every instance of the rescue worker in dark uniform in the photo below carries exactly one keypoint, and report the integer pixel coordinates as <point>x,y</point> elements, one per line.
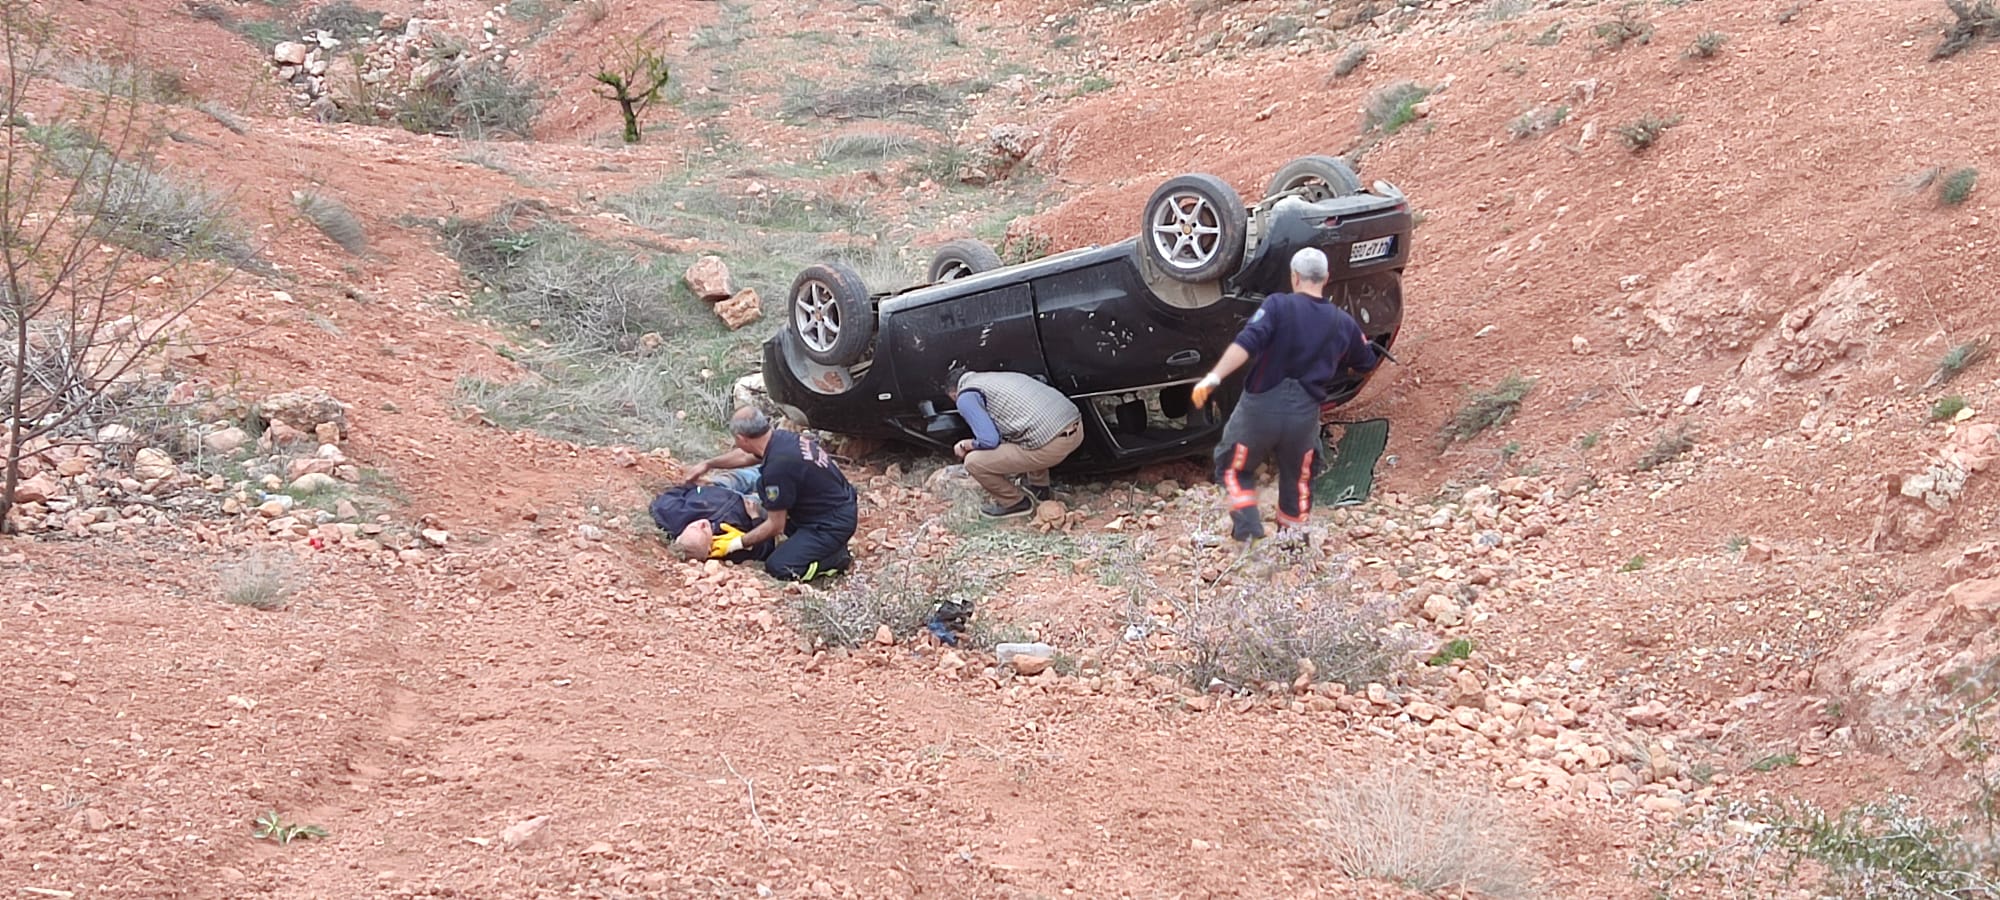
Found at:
<point>1296,344</point>
<point>805,497</point>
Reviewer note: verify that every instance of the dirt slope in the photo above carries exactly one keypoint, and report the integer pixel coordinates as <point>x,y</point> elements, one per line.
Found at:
<point>552,660</point>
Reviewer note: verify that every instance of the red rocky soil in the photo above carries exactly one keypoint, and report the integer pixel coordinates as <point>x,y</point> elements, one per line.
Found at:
<point>539,700</point>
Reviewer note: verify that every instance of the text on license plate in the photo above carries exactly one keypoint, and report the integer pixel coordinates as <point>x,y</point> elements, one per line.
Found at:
<point>1377,248</point>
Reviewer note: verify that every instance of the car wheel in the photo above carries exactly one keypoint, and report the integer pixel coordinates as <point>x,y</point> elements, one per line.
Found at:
<point>830,312</point>
<point>1321,177</point>
<point>1194,228</point>
<point>961,258</point>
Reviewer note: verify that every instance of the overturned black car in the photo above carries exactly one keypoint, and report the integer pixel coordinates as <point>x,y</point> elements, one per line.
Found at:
<point>1125,330</point>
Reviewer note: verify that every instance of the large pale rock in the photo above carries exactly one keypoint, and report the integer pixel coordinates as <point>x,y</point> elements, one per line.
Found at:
<point>37,489</point>
<point>740,309</point>
<point>709,279</point>
<point>1917,510</point>
<point>1443,610</point>
<point>1920,644</point>
<point>304,409</point>
<point>524,833</point>
<point>1843,323</point>
<point>153,464</point>
<point>289,53</point>
<point>226,441</point>
<point>314,483</point>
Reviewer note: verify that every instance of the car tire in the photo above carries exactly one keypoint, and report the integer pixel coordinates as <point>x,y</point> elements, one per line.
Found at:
<point>961,258</point>
<point>1323,177</point>
<point>1194,228</point>
<point>831,313</point>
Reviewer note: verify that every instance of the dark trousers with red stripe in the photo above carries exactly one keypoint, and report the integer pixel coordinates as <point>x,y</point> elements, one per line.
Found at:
<point>1282,425</point>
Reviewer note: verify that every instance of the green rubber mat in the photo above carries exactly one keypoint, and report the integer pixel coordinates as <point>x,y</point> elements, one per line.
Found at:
<point>1350,463</point>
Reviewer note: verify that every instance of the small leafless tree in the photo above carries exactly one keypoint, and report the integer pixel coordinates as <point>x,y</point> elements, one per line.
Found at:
<point>634,81</point>
<point>100,254</point>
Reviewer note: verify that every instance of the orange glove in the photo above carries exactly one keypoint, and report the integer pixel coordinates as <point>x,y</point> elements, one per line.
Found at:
<point>1203,388</point>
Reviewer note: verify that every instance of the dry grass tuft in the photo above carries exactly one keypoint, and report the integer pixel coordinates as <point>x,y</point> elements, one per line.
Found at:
<point>1418,831</point>
<point>333,219</point>
<point>263,581</point>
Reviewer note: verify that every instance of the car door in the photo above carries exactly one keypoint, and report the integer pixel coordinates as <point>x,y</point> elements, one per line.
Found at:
<point>1104,330</point>
<point>987,331</point>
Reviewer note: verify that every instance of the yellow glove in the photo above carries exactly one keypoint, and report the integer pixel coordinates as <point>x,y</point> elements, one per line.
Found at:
<point>729,541</point>
<point>1203,388</point>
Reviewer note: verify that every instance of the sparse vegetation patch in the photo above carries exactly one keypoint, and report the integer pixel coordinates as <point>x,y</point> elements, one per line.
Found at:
<point>1424,832</point>
<point>1971,21</point>
<point>1390,108</point>
<point>1645,131</point>
<point>263,581</point>
<point>1947,408</point>
<point>1486,409</point>
<point>1960,357</point>
<point>1669,446</point>
<point>343,19</point>
<point>1627,27</point>
<point>894,99</point>
<point>272,828</point>
<point>1953,189</point>
<point>1299,625</point>
<point>1707,44</point>
<point>1536,121</point>
<point>333,219</point>
<point>616,349</point>
<point>1350,59</point>
<point>866,146</point>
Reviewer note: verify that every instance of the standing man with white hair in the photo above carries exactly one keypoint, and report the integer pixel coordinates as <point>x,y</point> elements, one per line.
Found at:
<point>1300,342</point>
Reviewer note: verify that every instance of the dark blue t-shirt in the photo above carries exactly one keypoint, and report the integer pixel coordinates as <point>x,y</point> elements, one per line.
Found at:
<point>1303,337</point>
<point>800,478</point>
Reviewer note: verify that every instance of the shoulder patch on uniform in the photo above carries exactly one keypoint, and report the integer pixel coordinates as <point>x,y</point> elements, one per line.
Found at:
<point>1257,316</point>
<point>771,493</point>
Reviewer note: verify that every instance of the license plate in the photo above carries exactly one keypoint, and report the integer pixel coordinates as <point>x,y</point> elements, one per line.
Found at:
<point>1377,248</point>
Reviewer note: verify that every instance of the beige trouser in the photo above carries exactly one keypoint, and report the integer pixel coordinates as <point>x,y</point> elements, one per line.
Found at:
<point>993,468</point>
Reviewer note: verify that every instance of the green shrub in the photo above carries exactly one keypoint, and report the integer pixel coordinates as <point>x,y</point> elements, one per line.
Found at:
<point>343,19</point>
<point>1645,131</point>
<point>866,146</point>
<point>1669,446</point>
<point>1947,408</point>
<point>1955,187</point>
<point>1537,120</point>
<point>1392,107</point>
<point>1971,21</point>
<point>475,101</point>
<point>1486,409</point>
<point>1960,357</point>
<point>1452,651</point>
<point>1707,44</point>
<point>1625,28</point>
<point>1884,849</point>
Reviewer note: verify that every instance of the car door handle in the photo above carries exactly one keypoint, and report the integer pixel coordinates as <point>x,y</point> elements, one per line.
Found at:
<point>1184,358</point>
